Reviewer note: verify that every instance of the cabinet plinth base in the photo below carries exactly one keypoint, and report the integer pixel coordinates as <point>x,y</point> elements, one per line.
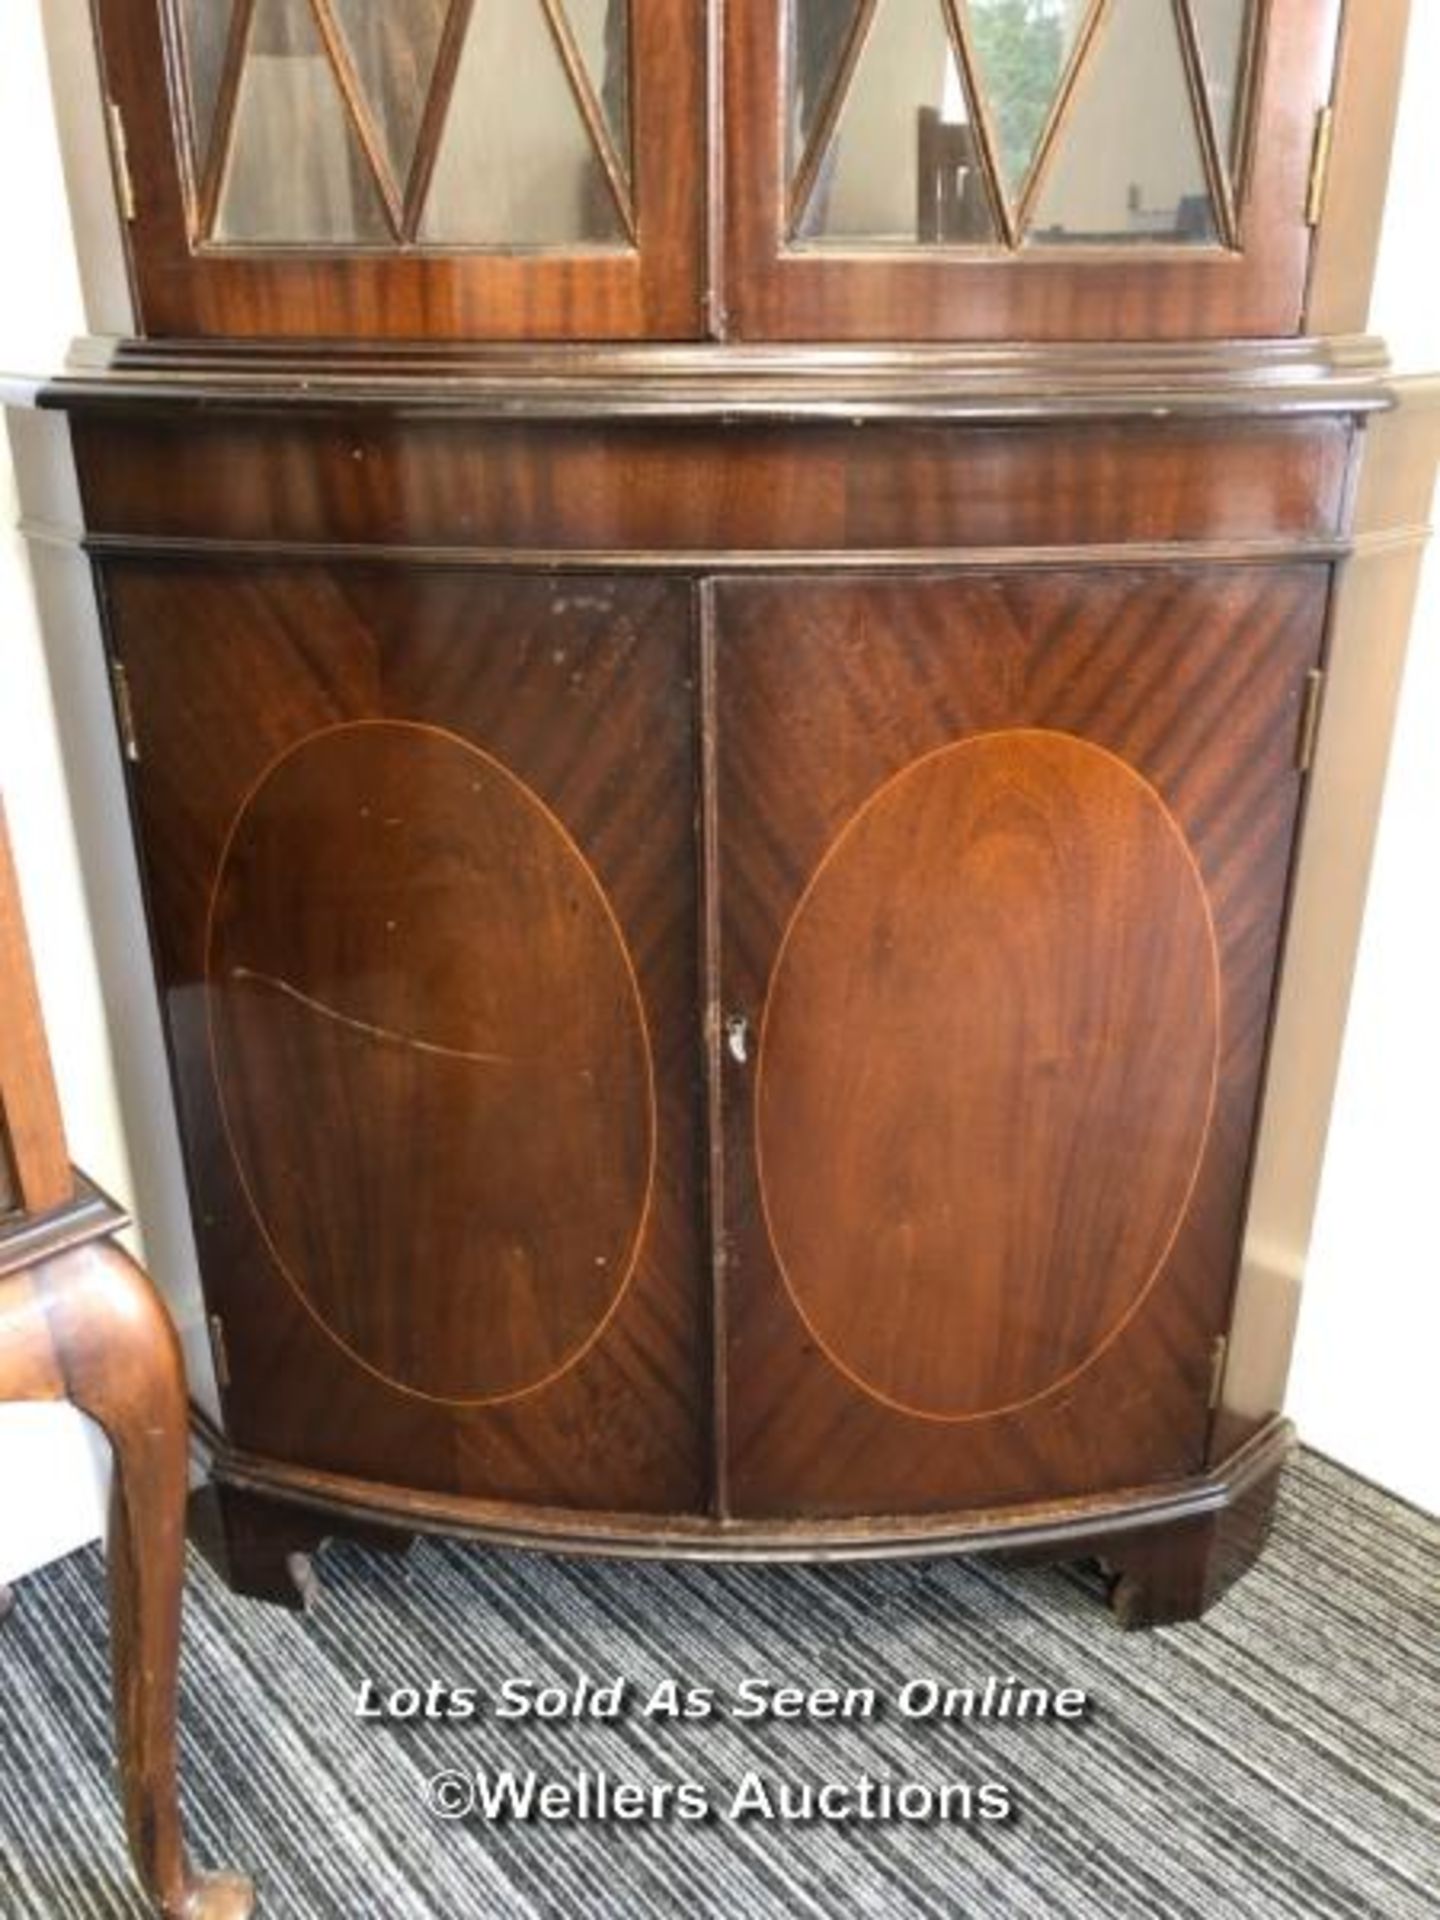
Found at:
<point>265,1549</point>
<point>1177,1573</point>
<point>1173,1549</point>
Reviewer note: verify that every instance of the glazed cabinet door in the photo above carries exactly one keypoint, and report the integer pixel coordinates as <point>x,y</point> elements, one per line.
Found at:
<point>419,853</point>
<point>1003,866</point>
<point>421,169</point>
<point>1022,169</point>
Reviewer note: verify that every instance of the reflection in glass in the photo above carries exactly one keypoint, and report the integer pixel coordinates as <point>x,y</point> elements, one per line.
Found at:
<point>902,165</point>
<point>1022,48</point>
<point>1223,28</point>
<point>205,32</point>
<point>602,32</point>
<point>818,30</point>
<point>296,171</point>
<point>1128,166</point>
<point>392,48</point>
<point>516,164</point>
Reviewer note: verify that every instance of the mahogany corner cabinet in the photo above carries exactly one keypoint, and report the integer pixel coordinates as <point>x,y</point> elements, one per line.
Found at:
<point>754,646</point>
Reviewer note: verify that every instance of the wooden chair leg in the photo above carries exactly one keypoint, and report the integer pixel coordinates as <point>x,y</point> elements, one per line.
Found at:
<point>121,1364</point>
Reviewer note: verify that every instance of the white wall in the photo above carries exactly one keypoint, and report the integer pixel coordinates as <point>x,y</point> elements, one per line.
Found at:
<point>1363,1386</point>
<point>51,1467</point>
<point>1370,1329</point>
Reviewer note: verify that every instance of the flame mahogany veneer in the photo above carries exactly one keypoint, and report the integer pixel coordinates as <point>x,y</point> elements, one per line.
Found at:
<point>781,1046</point>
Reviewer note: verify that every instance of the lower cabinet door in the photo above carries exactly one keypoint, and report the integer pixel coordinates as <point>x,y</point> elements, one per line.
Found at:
<point>420,856</point>
<point>1003,867</point>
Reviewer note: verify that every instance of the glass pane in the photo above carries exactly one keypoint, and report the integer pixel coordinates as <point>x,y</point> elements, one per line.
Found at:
<point>205,31</point>
<point>392,45</point>
<point>1223,27</point>
<point>297,172</point>
<point>516,164</point>
<point>1022,48</point>
<point>1128,167</point>
<point>817,38</point>
<point>602,32</point>
<point>903,164</point>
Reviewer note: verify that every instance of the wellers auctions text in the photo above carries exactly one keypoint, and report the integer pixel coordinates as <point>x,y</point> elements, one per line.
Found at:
<point>511,1792</point>
<point>602,1799</point>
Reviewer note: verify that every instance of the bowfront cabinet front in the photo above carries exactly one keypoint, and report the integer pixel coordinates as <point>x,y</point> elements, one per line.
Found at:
<point>726,622</point>
<point>996,873</point>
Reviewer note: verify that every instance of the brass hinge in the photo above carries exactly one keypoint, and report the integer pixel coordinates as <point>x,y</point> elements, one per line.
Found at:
<point>219,1351</point>
<point>1319,165</point>
<point>120,148</point>
<point>1309,720</point>
<point>1218,1352</point>
<point>124,711</point>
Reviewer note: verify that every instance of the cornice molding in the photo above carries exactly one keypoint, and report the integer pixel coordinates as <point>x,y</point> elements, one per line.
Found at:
<point>1346,375</point>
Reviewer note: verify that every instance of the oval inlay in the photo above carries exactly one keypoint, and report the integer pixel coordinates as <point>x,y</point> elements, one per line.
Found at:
<point>431,1059</point>
<point>986,1072</point>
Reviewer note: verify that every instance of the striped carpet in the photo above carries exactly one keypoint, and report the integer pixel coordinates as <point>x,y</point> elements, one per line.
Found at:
<point>1282,1759</point>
